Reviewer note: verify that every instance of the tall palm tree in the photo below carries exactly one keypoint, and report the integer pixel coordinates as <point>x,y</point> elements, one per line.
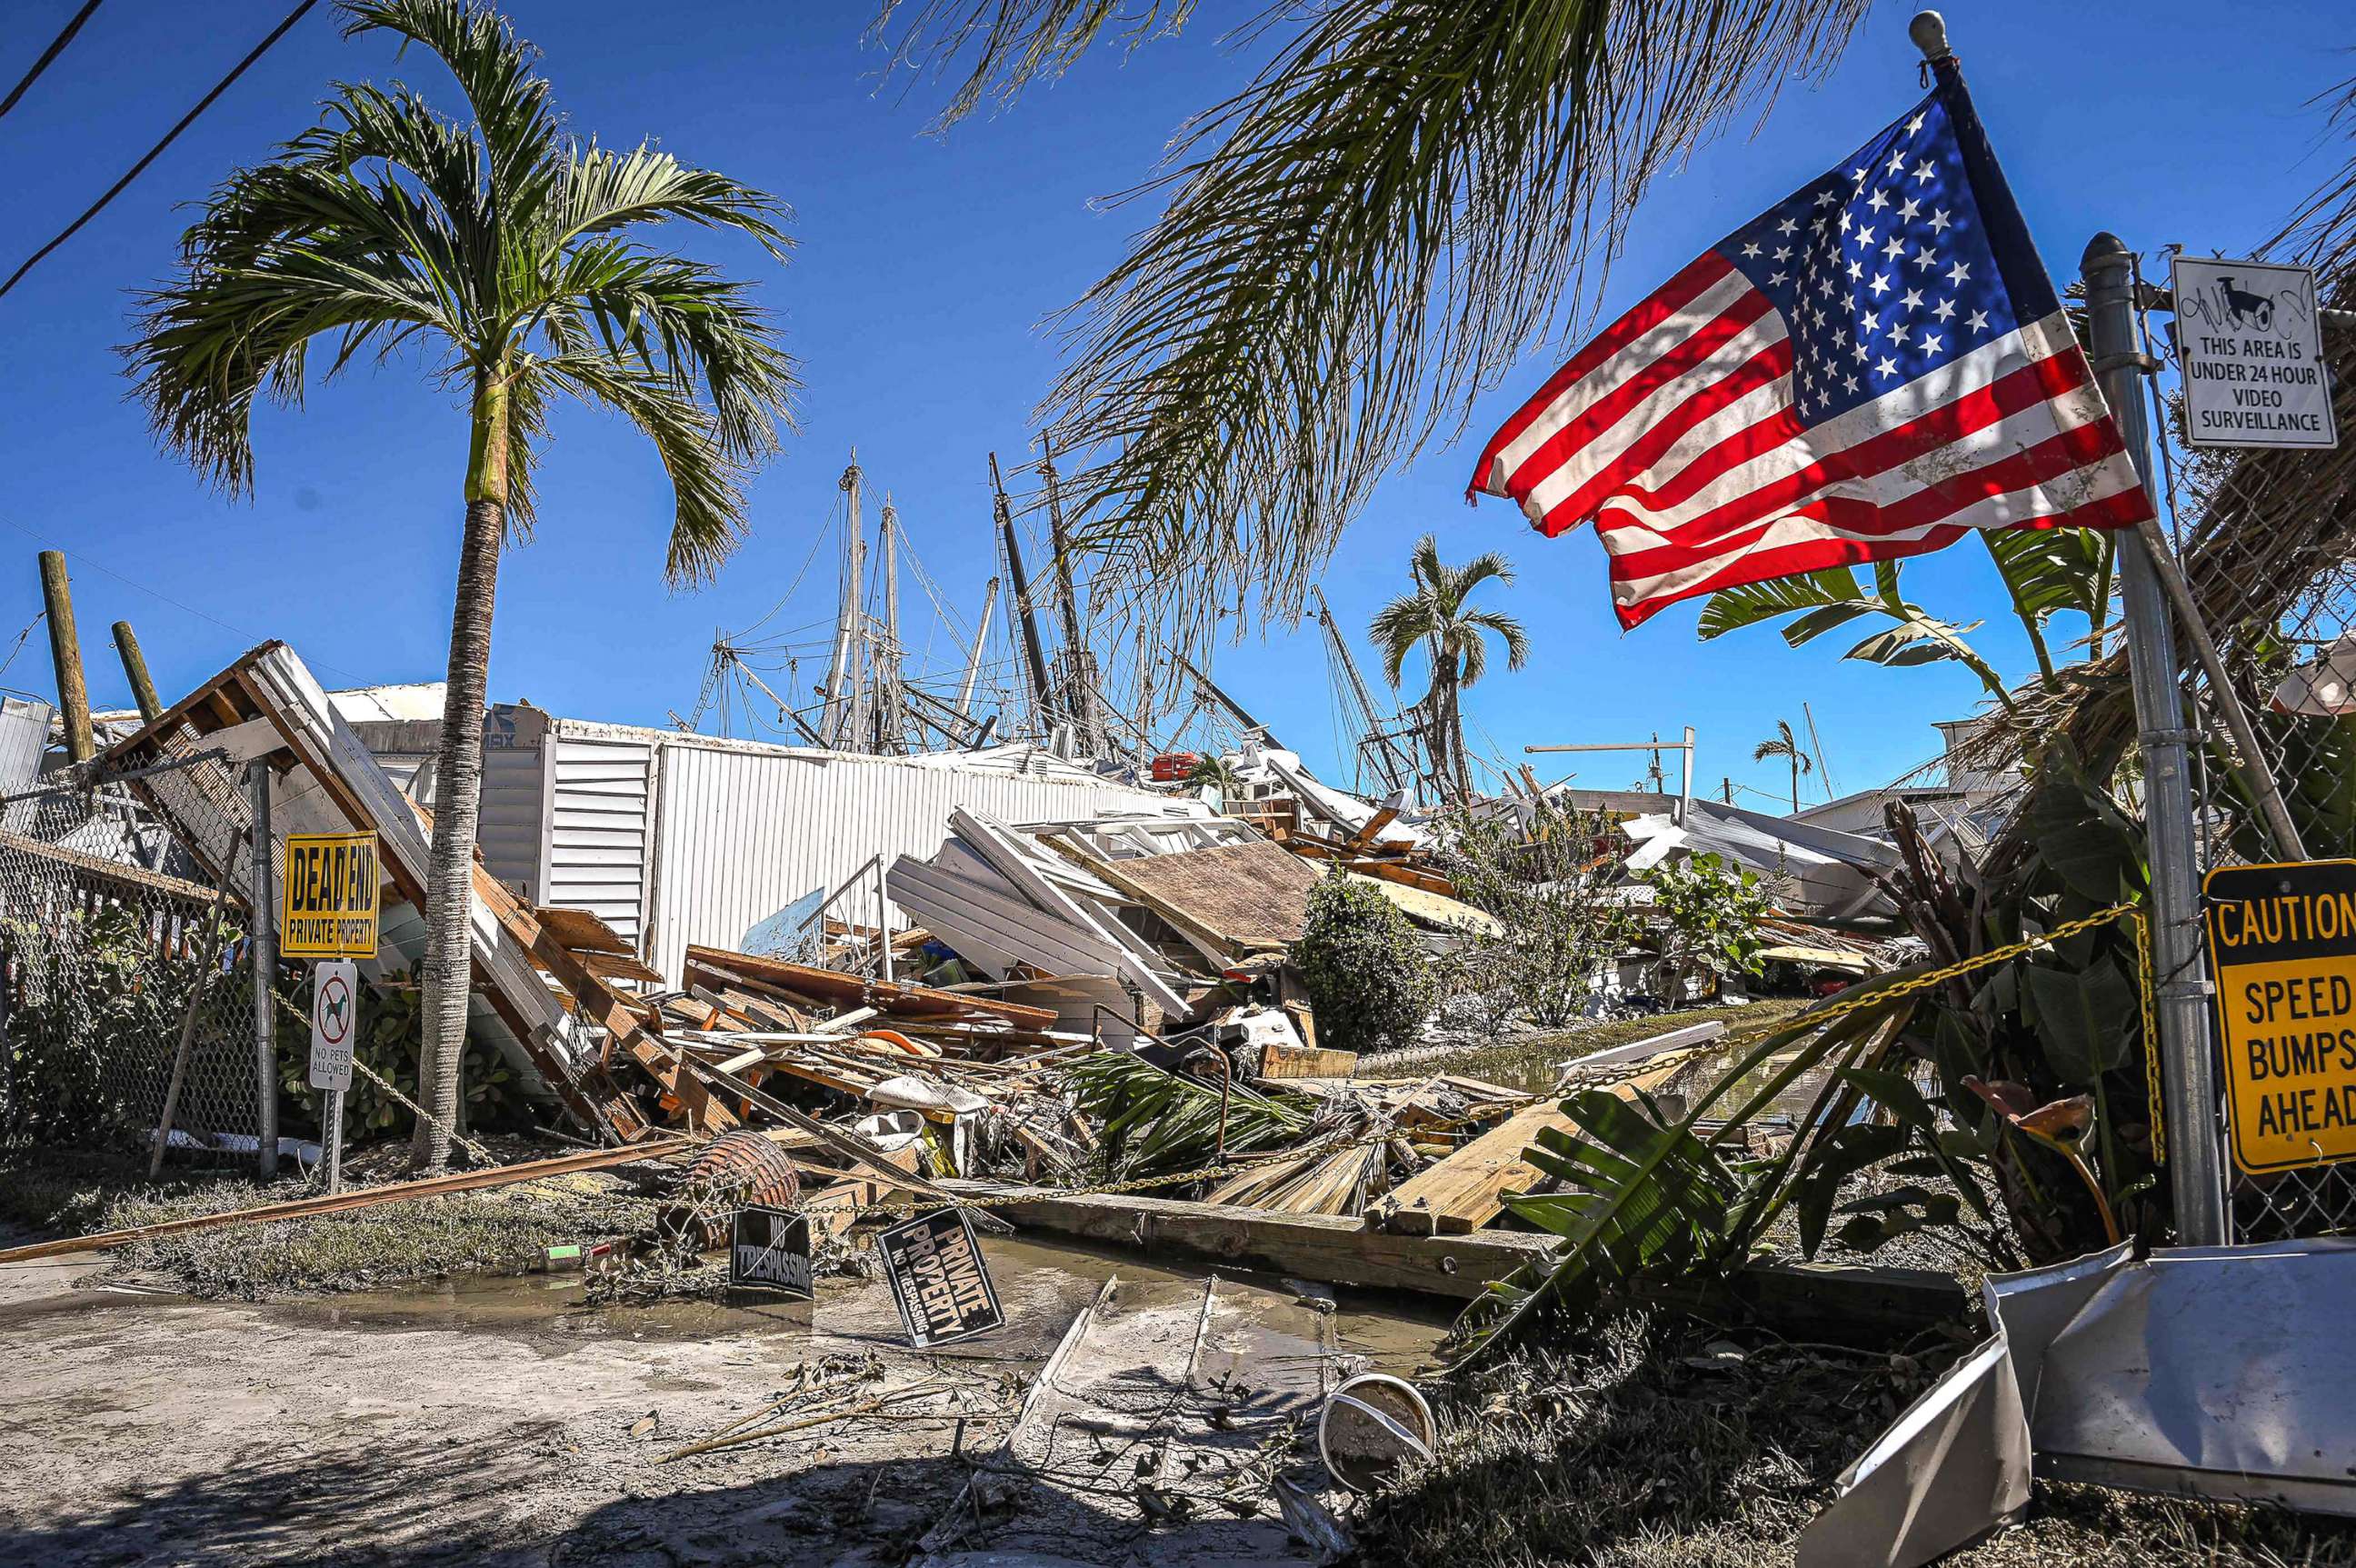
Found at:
<point>1437,618</point>
<point>1410,198</point>
<point>509,254</point>
<point>1785,744</point>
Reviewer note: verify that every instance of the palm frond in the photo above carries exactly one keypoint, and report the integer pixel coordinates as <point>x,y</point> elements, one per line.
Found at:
<point>706,482</point>
<point>1508,631</point>
<point>1399,628</point>
<point>603,191</point>
<point>1648,1200</point>
<point>1013,42</point>
<point>493,68</point>
<point>1409,199</point>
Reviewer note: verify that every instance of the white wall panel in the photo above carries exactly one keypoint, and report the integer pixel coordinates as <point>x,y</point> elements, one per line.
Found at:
<point>744,833</point>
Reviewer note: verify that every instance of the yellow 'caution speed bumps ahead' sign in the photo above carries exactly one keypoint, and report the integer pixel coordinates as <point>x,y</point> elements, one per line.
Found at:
<point>2282,941</point>
<point>327,898</point>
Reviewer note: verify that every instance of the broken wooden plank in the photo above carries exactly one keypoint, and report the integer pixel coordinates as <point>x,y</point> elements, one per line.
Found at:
<point>1467,1189</point>
<point>358,1198</point>
<point>1279,1060</point>
<point>1236,897</point>
<point>1331,1249</point>
<point>837,989</point>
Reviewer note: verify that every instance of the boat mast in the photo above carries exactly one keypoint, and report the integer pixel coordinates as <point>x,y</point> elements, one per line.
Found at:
<point>1387,761</point>
<point>1043,708</point>
<point>892,719</point>
<point>835,720</point>
<point>981,642</point>
<point>1079,661</point>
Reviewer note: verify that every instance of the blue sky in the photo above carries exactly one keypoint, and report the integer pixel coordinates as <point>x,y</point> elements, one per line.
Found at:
<point>923,269</point>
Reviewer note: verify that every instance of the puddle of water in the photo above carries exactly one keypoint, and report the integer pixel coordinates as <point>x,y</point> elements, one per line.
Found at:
<point>1041,1285</point>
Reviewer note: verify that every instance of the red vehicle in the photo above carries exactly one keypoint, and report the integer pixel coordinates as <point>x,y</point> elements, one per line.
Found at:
<point>1175,766</point>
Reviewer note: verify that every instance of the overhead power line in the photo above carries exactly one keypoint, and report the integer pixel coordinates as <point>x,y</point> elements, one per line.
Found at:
<point>119,186</point>
<point>57,47</point>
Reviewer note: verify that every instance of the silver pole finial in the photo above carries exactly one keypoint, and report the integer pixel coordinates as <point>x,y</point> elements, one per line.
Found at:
<point>1929,31</point>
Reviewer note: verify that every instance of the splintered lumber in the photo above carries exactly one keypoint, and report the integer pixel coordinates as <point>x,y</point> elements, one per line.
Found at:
<point>1279,1060</point>
<point>1236,897</point>
<point>1330,1249</point>
<point>837,989</point>
<point>358,1198</point>
<point>1467,1189</point>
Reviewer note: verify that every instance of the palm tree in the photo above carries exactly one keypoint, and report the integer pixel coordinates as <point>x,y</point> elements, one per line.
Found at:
<point>1408,200</point>
<point>508,253</point>
<point>1436,617</point>
<point>1785,744</point>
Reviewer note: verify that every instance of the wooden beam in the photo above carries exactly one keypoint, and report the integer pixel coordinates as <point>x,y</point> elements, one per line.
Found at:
<point>1331,1249</point>
<point>358,1197</point>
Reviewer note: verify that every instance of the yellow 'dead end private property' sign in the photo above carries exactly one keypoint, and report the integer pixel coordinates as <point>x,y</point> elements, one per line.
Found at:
<point>2282,939</point>
<point>327,897</point>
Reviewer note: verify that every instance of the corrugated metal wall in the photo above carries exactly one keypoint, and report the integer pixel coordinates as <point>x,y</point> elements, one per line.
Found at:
<point>596,850</point>
<point>745,834</point>
<point>509,833</point>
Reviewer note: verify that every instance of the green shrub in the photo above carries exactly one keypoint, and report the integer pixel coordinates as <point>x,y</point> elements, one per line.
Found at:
<point>1367,976</point>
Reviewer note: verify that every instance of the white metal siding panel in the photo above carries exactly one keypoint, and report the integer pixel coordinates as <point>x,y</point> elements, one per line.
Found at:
<point>597,829</point>
<point>508,831</point>
<point>745,834</point>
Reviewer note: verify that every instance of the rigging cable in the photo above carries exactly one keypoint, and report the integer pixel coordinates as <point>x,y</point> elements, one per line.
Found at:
<point>57,47</point>
<point>119,186</point>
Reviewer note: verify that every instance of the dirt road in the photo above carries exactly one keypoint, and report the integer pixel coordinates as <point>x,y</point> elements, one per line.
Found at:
<point>492,1422</point>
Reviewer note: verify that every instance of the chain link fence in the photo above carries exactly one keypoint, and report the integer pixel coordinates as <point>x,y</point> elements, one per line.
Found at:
<point>2267,542</point>
<point>128,977</point>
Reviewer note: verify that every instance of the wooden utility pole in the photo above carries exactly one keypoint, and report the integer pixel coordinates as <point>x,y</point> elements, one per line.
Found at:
<point>65,654</point>
<point>134,665</point>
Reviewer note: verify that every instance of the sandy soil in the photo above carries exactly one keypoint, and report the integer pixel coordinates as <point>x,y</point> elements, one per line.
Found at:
<point>493,1420</point>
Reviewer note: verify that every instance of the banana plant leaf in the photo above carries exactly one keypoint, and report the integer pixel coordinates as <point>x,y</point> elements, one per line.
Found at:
<point>1650,1201</point>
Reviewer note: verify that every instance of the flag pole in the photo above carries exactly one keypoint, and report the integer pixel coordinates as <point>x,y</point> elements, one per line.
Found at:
<point>2195,1164</point>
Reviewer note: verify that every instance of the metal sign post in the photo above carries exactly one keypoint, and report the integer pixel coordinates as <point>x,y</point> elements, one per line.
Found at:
<point>334,1023</point>
<point>2188,1067</point>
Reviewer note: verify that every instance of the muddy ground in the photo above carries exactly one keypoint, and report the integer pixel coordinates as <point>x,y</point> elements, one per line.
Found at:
<point>496,1421</point>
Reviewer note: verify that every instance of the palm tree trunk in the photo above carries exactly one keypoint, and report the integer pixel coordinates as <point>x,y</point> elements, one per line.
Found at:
<point>458,778</point>
<point>1456,736</point>
<point>1796,783</point>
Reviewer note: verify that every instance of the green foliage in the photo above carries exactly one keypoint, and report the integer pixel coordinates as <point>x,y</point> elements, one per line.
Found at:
<point>1556,922</point>
<point>2045,571</point>
<point>390,1031</point>
<point>502,248</point>
<point>1368,977</point>
<point>93,1023</point>
<point>1711,911</point>
<point>1645,1200</point>
<point>1155,1121</point>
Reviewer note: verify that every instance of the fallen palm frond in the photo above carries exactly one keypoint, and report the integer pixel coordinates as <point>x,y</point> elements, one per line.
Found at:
<point>1155,1121</point>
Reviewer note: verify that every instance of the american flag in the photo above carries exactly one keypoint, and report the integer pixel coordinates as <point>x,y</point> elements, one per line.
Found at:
<point>1875,365</point>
